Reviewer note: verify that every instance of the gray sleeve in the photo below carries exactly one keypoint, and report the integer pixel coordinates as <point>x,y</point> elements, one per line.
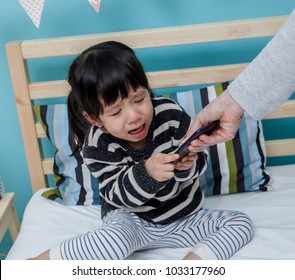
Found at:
<point>269,79</point>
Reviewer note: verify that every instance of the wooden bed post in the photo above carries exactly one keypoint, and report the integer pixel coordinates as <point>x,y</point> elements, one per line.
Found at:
<point>20,82</point>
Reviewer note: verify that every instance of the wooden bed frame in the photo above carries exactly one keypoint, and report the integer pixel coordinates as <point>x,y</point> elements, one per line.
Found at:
<point>20,52</point>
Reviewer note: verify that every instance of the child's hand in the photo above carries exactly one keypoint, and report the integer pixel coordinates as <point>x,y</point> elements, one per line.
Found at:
<point>186,162</point>
<point>160,166</point>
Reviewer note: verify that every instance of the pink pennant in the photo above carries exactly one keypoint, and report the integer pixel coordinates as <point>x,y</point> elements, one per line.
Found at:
<point>34,9</point>
<point>95,4</point>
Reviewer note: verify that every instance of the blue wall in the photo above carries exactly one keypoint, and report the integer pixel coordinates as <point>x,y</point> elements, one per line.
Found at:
<point>74,17</point>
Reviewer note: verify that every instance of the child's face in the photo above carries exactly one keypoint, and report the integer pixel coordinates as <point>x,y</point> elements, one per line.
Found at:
<point>129,118</point>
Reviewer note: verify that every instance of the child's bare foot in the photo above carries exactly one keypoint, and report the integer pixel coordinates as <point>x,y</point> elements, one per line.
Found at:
<point>191,256</point>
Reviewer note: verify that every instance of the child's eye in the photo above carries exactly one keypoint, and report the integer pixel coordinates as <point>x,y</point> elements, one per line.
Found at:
<point>116,113</point>
<point>140,100</point>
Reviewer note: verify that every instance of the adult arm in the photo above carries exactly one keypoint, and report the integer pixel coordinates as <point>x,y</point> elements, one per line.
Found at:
<point>262,87</point>
<point>269,80</point>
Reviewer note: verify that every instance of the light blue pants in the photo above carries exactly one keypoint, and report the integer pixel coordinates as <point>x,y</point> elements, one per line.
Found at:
<point>212,234</point>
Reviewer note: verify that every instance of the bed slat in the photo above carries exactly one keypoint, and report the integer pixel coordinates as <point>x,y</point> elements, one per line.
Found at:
<point>195,76</point>
<point>167,36</point>
<point>160,79</point>
<point>51,89</point>
<point>47,165</point>
<point>275,148</point>
<point>287,110</point>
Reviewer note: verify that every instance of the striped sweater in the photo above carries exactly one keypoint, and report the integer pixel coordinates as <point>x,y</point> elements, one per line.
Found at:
<point>123,181</point>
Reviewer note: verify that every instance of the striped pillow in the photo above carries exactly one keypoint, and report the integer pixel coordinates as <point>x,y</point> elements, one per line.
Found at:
<point>237,165</point>
<point>74,183</point>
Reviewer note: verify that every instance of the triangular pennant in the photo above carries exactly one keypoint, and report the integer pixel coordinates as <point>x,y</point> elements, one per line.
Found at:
<point>34,9</point>
<point>95,4</point>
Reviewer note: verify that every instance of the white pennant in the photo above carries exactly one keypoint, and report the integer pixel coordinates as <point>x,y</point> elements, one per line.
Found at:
<point>95,4</point>
<point>34,9</point>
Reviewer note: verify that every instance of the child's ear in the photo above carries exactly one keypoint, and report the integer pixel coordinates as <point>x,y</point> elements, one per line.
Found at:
<point>93,121</point>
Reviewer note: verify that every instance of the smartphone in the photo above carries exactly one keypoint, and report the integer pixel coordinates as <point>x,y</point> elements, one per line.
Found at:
<point>183,149</point>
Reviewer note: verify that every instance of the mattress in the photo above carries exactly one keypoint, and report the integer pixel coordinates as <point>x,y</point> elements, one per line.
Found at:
<point>47,223</point>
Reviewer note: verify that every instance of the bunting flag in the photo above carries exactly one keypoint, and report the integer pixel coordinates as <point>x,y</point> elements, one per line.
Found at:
<point>95,4</point>
<point>34,9</point>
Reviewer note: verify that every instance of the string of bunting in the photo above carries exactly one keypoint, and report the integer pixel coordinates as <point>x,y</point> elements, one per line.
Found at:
<point>34,9</point>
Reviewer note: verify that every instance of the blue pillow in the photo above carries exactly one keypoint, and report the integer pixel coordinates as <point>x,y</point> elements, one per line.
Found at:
<point>237,165</point>
<point>75,185</point>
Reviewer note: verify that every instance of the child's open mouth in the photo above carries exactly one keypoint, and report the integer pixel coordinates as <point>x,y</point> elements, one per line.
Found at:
<point>138,132</point>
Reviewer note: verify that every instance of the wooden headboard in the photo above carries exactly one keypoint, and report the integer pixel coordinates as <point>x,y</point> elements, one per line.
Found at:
<point>27,92</point>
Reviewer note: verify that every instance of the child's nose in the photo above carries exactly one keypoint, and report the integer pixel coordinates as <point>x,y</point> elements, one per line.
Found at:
<point>133,116</point>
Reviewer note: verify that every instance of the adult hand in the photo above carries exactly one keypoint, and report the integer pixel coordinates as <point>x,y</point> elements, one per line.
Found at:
<point>223,108</point>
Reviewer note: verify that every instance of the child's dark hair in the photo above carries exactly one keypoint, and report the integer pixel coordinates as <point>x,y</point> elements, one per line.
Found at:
<point>106,70</point>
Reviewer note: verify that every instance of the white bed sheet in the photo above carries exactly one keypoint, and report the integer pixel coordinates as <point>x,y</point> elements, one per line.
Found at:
<point>46,223</point>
